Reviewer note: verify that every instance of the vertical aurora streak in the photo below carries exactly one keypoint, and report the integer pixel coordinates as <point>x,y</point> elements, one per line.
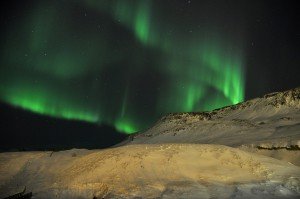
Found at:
<point>54,66</point>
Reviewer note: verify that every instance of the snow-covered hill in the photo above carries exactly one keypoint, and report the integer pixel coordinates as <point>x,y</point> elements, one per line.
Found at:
<point>270,121</point>
<point>249,150</point>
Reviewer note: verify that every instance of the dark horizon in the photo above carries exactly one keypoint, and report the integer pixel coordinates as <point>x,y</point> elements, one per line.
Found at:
<point>22,130</point>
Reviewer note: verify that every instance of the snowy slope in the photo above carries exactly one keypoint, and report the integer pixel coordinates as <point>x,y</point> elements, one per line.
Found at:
<point>270,121</point>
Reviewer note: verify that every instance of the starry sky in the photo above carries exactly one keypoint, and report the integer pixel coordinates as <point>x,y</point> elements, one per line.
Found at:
<point>126,63</point>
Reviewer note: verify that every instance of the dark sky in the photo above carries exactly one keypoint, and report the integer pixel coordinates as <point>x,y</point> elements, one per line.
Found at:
<point>126,63</point>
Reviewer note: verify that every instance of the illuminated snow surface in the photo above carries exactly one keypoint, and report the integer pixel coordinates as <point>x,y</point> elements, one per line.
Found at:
<point>250,150</point>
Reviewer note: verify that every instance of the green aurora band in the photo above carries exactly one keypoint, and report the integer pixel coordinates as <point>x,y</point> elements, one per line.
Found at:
<point>81,72</point>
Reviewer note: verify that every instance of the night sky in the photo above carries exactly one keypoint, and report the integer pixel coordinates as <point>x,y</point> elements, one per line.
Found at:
<point>124,64</point>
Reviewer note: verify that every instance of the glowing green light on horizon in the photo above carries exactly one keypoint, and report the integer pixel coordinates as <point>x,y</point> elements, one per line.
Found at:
<point>126,127</point>
<point>42,103</point>
<point>41,107</point>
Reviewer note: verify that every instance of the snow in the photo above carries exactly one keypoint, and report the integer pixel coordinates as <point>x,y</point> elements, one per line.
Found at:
<point>242,151</point>
<point>271,121</point>
<point>149,171</point>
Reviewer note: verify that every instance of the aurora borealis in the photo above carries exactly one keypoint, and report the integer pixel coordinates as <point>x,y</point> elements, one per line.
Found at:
<point>70,67</point>
<point>123,63</point>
